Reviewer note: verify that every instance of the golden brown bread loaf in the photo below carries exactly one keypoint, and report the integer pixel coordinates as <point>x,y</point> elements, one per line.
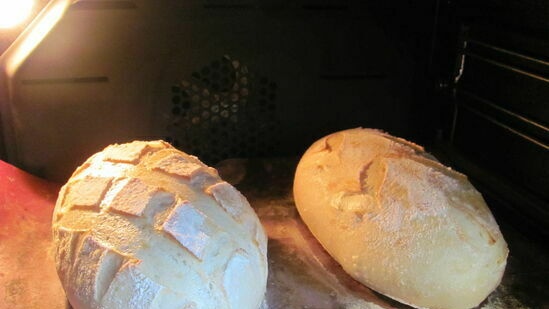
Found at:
<point>399,221</point>
<point>143,225</point>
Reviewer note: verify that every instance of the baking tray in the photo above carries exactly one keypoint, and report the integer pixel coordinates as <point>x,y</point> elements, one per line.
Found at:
<point>301,273</point>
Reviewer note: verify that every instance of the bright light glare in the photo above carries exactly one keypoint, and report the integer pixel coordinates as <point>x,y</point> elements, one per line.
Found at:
<point>43,26</point>
<point>14,12</point>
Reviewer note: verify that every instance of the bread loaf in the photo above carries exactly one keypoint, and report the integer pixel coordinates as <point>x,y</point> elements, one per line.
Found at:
<point>143,225</point>
<point>398,221</point>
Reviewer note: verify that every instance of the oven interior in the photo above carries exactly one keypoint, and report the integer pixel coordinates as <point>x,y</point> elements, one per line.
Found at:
<point>248,85</point>
<point>247,79</point>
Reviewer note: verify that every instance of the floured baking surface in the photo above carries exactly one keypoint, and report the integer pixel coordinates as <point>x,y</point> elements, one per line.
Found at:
<point>301,273</point>
<point>28,279</point>
<point>143,225</point>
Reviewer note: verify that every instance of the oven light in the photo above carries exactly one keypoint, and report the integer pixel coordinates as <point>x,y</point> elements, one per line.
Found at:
<point>30,39</point>
<point>14,12</point>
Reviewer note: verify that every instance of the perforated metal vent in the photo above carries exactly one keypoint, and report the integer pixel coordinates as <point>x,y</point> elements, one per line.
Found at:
<point>224,111</point>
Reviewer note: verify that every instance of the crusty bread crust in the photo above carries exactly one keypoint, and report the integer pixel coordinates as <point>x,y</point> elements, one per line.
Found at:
<point>143,225</point>
<point>399,221</point>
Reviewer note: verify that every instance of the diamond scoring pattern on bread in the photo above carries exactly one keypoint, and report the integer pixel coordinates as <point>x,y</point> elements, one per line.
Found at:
<point>229,198</point>
<point>178,165</point>
<point>130,196</point>
<point>89,191</point>
<point>95,267</point>
<point>190,227</point>
<point>127,153</point>
<point>143,225</point>
<point>66,250</point>
<point>140,293</point>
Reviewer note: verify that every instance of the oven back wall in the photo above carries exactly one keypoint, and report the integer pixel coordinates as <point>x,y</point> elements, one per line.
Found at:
<point>216,78</point>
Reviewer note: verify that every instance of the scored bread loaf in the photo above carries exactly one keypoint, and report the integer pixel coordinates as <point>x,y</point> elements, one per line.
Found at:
<point>143,225</point>
<point>398,221</point>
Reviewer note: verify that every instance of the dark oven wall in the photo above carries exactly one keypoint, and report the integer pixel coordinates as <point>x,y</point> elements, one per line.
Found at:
<point>492,62</point>
<point>226,78</point>
<point>7,36</point>
<point>219,79</point>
